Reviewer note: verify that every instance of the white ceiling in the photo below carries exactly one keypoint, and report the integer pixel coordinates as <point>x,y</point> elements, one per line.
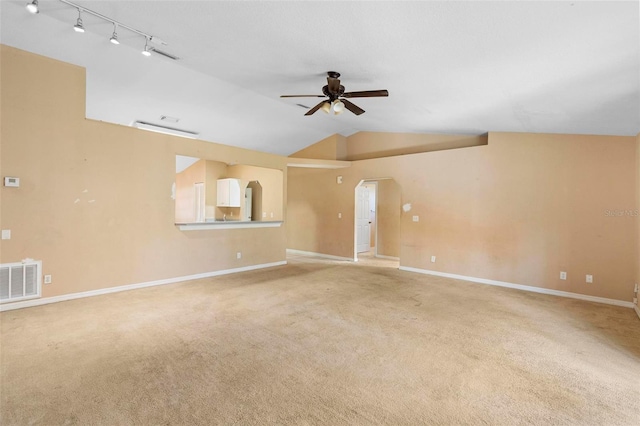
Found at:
<point>450,67</point>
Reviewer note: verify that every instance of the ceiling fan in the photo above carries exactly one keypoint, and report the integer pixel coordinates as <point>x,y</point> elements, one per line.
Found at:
<point>336,102</point>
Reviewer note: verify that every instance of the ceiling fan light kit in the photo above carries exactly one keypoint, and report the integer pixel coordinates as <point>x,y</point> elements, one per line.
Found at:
<point>336,102</point>
<point>337,106</point>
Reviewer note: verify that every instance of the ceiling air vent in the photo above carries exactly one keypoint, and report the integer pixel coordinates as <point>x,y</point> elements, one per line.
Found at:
<point>163,53</point>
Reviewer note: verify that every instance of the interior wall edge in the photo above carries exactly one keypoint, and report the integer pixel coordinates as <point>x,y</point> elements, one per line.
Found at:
<point>72,296</point>
<point>532,289</point>
<point>316,254</point>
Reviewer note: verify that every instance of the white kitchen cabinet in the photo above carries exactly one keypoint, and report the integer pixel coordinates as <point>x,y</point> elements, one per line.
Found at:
<point>228,193</point>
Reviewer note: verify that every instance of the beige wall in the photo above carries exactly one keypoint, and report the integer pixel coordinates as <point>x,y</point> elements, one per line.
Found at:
<point>389,199</point>
<point>95,201</point>
<point>332,148</point>
<point>365,145</point>
<point>520,209</point>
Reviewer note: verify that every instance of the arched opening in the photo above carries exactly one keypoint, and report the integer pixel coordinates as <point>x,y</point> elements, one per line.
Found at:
<point>253,201</point>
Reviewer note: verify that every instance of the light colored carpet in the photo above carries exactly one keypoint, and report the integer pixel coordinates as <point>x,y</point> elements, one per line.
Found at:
<point>326,343</point>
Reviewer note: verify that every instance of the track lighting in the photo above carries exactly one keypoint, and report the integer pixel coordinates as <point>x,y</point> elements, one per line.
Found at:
<point>146,51</point>
<point>78,27</point>
<point>114,37</point>
<point>33,7</point>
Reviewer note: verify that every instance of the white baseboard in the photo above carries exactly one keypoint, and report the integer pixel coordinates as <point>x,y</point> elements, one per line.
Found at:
<point>635,308</point>
<point>325,256</point>
<point>523,287</point>
<point>71,296</point>
<point>382,256</point>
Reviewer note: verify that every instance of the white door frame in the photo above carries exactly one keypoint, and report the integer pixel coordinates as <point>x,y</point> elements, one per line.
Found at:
<point>199,201</point>
<point>355,216</point>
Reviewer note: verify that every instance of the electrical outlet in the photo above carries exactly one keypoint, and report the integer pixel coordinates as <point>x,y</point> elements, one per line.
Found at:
<point>339,215</point>
<point>239,255</point>
<point>264,214</point>
<point>416,218</point>
<point>433,259</point>
<point>271,215</point>
<point>47,279</point>
<point>563,275</point>
<point>590,278</point>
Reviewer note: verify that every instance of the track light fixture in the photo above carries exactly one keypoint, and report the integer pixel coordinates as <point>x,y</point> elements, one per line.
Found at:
<point>78,27</point>
<point>114,36</point>
<point>146,51</point>
<point>33,7</point>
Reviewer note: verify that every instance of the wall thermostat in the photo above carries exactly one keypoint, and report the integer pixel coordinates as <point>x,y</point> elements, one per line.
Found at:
<point>11,181</point>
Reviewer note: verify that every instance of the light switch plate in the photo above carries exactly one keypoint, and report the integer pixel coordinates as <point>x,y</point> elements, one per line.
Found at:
<point>416,218</point>
<point>6,234</point>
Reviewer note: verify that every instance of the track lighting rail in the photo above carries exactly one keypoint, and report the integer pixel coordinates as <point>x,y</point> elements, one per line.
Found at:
<point>113,21</point>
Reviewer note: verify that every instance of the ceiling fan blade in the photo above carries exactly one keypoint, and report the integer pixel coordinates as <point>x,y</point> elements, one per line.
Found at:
<point>315,108</point>
<point>352,107</point>
<point>366,94</point>
<point>302,96</point>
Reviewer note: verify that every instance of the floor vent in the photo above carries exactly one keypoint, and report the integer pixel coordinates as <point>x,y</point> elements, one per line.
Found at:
<point>20,281</point>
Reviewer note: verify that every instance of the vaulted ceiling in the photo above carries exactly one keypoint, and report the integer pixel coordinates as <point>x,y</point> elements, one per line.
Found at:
<point>450,67</point>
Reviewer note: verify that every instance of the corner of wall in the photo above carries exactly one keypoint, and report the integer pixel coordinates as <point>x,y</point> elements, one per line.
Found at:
<point>341,147</point>
<point>637,210</point>
<point>326,149</point>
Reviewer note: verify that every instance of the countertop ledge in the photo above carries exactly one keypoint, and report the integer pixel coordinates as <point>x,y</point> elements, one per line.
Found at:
<point>201,226</point>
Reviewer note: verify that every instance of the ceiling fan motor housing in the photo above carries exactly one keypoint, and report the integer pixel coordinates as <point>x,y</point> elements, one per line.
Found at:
<point>333,96</point>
